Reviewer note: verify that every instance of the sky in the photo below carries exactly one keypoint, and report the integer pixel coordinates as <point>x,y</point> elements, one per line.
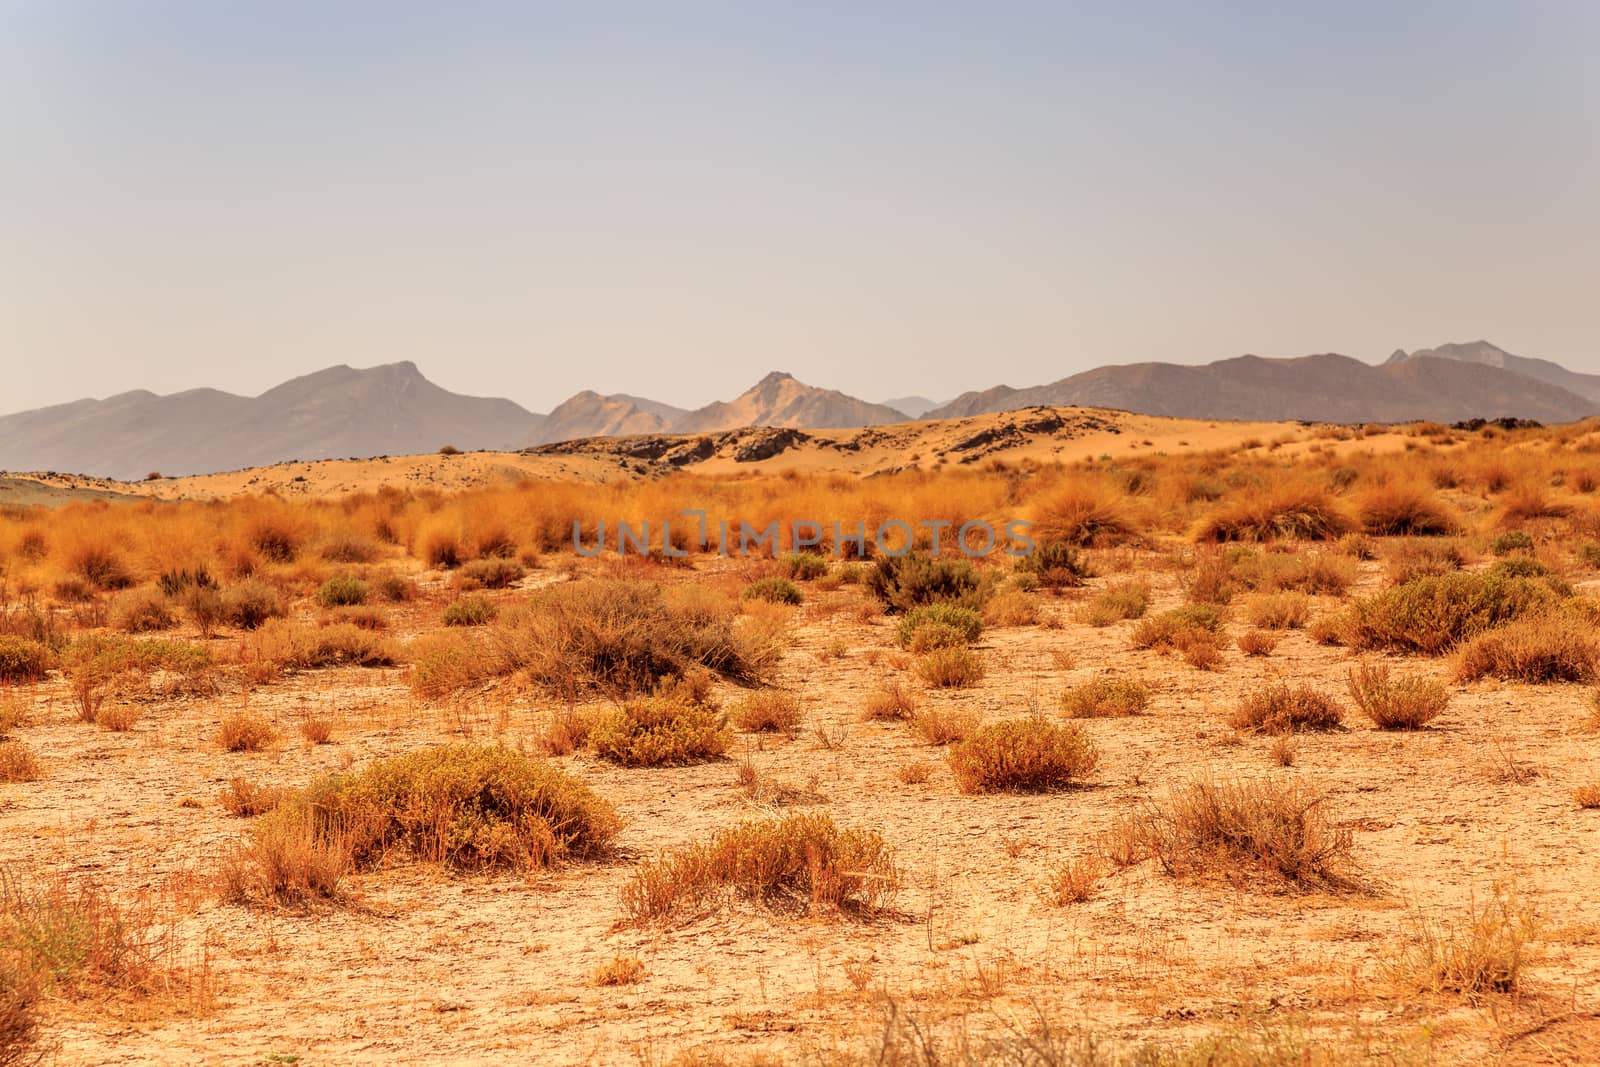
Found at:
<point>888,198</point>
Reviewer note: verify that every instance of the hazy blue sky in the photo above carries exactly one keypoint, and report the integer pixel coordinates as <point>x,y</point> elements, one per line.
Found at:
<point>672,198</point>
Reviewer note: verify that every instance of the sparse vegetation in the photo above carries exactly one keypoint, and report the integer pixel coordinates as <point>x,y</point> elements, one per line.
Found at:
<point>1105,697</point>
<point>667,727</point>
<point>951,668</point>
<point>1282,708</point>
<point>1022,755</point>
<point>1406,702</point>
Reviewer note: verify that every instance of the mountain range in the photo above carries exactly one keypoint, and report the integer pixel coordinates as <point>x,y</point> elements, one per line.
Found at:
<point>394,410</point>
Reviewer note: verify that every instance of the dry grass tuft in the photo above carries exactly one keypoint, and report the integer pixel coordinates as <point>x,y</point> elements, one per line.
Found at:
<point>622,970</point>
<point>1294,513</point>
<point>1487,953</point>
<point>1125,599</point>
<point>668,727</point>
<point>1105,697</point>
<point>1408,702</point>
<point>244,798</point>
<point>1258,642</point>
<point>943,726</point>
<point>768,710</point>
<point>799,861</point>
<point>245,731</point>
<point>1587,796</point>
<point>951,668</point>
<point>18,763</point>
<point>1022,756</point>
<point>1075,881</point>
<point>890,702</point>
<point>1084,514</point>
<point>1430,615</point>
<point>1281,708</point>
<point>1404,510</point>
<point>1537,649</point>
<point>1278,611</point>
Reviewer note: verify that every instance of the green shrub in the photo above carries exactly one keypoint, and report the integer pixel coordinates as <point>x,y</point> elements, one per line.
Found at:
<point>1022,755</point>
<point>667,727</point>
<point>964,623</point>
<point>805,566</point>
<point>1055,566</point>
<point>1105,697</point>
<point>774,590</point>
<point>1432,614</point>
<point>904,582</point>
<point>251,603</point>
<point>23,660</point>
<point>491,573</point>
<point>1511,541</point>
<point>469,611</point>
<point>342,592</point>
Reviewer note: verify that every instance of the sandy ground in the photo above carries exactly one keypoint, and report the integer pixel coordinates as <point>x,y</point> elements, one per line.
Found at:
<point>437,968</point>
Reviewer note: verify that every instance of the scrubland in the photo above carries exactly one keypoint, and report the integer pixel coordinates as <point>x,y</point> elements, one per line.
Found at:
<point>1273,755</point>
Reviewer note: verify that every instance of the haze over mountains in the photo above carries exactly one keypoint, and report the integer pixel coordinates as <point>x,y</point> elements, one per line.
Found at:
<point>394,410</point>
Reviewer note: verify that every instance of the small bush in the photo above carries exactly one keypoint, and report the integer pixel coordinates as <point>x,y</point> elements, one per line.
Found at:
<point>1486,954</point>
<point>1054,566</point>
<point>342,591</point>
<point>799,861</point>
<point>251,603</point>
<point>1404,510</point>
<point>1128,599</point>
<point>1171,629</point>
<point>317,730</point>
<point>491,573</point>
<point>1022,755</point>
<point>1430,615</point>
<point>245,799</point>
<point>1084,514</point>
<point>1278,611</point>
<point>23,660</point>
<point>951,668</point>
<point>295,646</point>
<point>1300,514</point>
<point>622,970</point>
<point>1408,702</point>
<point>206,609</point>
<point>1406,561</point>
<point>343,547</point>
<point>469,611</point>
<point>1281,708</point>
<point>768,710</point>
<point>140,611</point>
<point>1258,642</point>
<point>1511,541</point>
<point>1536,649</point>
<point>904,582</point>
<point>18,763</point>
<point>1208,828</point>
<point>889,702</point>
<point>1075,881</point>
<point>1105,697</point>
<point>805,566</point>
<point>943,726</point>
<point>245,731</point>
<point>773,590</point>
<point>666,728</point>
<point>394,588</point>
<point>955,626</point>
<point>117,718</point>
<point>1587,796</point>
<point>1011,607</point>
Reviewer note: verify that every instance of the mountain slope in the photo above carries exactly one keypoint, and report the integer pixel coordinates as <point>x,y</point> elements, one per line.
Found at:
<point>1329,387</point>
<point>341,411</point>
<point>590,414</point>
<point>1488,355</point>
<point>780,400</point>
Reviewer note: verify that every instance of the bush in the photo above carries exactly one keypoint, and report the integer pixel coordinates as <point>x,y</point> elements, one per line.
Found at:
<point>1430,615</point>
<point>205,609</point>
<point>668,727</point>
<point>1054,565</point>
<point>1083,514</point>
<point>943,726</point>
<point>1105,698</point>
<point>469,611</point>
<point>1258,642</point>
<point>1278,611</point>
<point>888,702</point>
<point>1128,599</point>
<point>1406,561</point>
<point>1537,649</point>
<point>492,573</point>
<point>341,547</point>
<point>251,603</point>
<point>1487,954</point>
<point>1404,510</point>
<point>395,588</point>
<point>904,582</point>
<point>18,763</point>
<point>799,861</point>
<point>245,731</point>
<point>23,660</point>
<point>773,590</point>
<point>1280,708</point>
<point>1278,829</point>
<point>1405,703</point>
<point>1011,607</point>
<point>963,625</point>
<point>1301,514</point>
<point>770,709</point>
<point>951,668</point>
<point>140,611</point>
<point>805,566</point>
<point>1022,755</point>
<point>19,1015</point>
<point>342,591</point>
<point>296,646</point>
<point>1511,541</point>
<point>1177,628</point>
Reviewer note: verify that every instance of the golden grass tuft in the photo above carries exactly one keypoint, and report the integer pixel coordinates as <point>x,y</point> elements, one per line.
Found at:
<point>800,861</point>
<point>1401,509</point>
<point>1075,881</point>
<point>1125,599</point>
<point>1022,756</point>
<point>668,727</point>
<point>245,731</point>
<point>1281,708</point>
<point>621,970</point>
<point>1278,611</point>
<point>942,726</point>
<point>1487,952</point>
<point>18,763</point>
<point>889,702</point>
<point>1258,642</point>
<point>770,710</point>
<point>1084,514</point>
<point>1302,513</point>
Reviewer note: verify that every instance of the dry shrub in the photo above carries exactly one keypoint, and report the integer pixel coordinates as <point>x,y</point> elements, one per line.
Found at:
<point>622,970</point>
<point>914,773</point>
<point>1171,629</point>
<point>343,546</point>
<point>1487,953</point>
<point>891,701</point>
<point>317,730</point>
<point>19,1016</point>
<point>1278,611</point>
<point>292,856</point>
<point>470,610</point>
<point>902,583</point>
<point>245,731</point>
<point>244,798</point>
<point>1125,599</point>
<point>1083,514</point>
<point>667,727</point>
<point>1281,708</point>
<point>1407,560</point>
<point>1053,566</point>
<point>1011,607</point>
<point>292,645</point>
<point>1105,697</point>
<point>492,573</point>
<point>930,626</point>
<point>1408,702</point>
<point>1211,580</point>
<point>1295,513</point>
<point>943,726</point>
<point>252,602</point>
<point>1430,615</point>
<point>1325,573</point>
<point>117,718</point>
<point>1022,755</point>
<point>566,731</point>
<point>1229,828</point>
<point>1541,648</point>
<point>18,763</point>
<point>1587,796</point>
<point>23,660</point>
<point>768,710</point>
<point>1284,750</point>
<point>799,861</point>
<point>140,611</point>
<point>1404,510</point>
<point>1075,881</point>
<point>1527,502</point>
<point>951,668</point>
<point>1258,642</point>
